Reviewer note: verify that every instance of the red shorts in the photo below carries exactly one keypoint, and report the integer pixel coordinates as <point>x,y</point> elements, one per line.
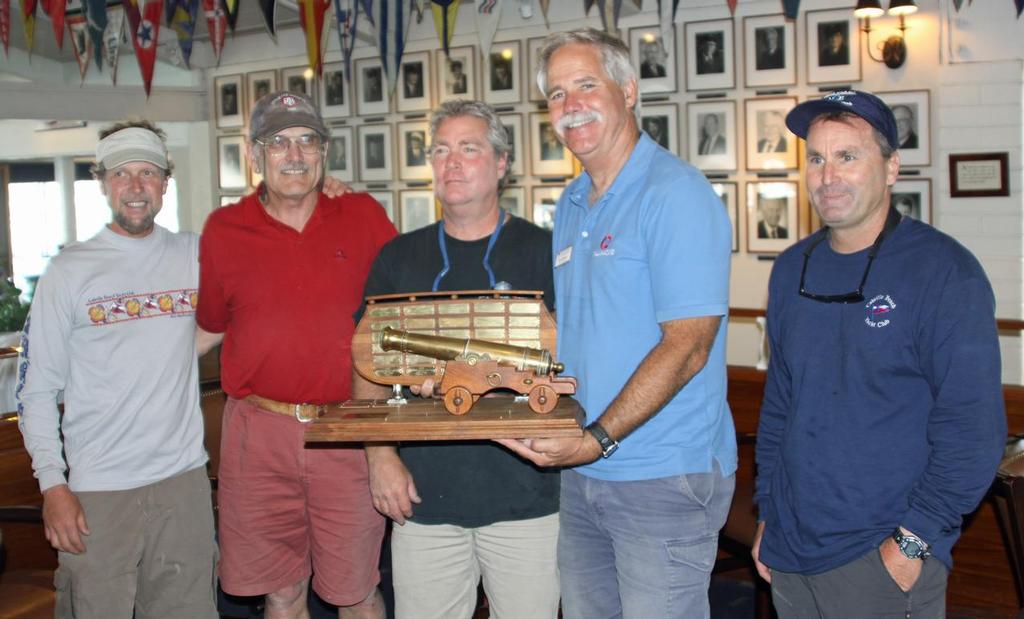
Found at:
<point>287,510</point>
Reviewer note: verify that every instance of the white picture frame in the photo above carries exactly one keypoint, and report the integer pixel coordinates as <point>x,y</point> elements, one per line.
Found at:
<point>769,50</point>
<point>705,149</point>
<point>918,104</point>
<point>710,53</point>
<point>413,162</point>
<point>335,92</point>
<point>770,145</point>
<point>387,200</point>
<point>912,197</point>
<point>548,157</point>
<point>661,122</point>
<point>767,199</point>
<point>298,79</point>
<point>414,89</point>
<point>232,165</point>
<point>417,209</point>
<point>833,47</point>
<point>371,87</point>
<point>655,59</point>
<point>375,153</point>
<point>543,203</point>
<point>502,73</point>
<point>513,200</point>
<point>514,126</point>
<point>341,160</point>
<point>533,47</point>
<point>229,100</point>
<point>728,192</point>
<point>258,84</point>
<point>456,73</point>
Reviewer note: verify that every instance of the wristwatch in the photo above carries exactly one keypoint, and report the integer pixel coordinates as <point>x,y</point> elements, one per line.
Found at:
<point>608,446</point>
<point>911,546</point>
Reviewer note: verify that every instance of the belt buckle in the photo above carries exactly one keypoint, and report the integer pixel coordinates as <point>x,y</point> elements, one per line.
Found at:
<point>301,419</point>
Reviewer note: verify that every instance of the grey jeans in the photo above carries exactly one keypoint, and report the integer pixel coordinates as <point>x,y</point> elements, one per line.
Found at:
<point>861,588</point>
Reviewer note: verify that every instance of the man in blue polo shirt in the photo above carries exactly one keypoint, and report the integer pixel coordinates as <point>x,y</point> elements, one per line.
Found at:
<point>641,256</point>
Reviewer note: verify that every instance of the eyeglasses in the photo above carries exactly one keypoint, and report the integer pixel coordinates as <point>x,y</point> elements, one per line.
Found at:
<point>309,144</point>
<point>857,296</point>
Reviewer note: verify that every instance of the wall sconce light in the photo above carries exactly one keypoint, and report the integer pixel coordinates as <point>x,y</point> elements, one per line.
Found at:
<point>894,49</point>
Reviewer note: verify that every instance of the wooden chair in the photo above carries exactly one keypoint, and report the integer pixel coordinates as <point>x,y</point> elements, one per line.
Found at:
<point>1008,494</point>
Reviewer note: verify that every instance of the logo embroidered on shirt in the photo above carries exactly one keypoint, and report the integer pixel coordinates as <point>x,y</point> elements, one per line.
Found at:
<point>879,311</point>
<point>606,247</point>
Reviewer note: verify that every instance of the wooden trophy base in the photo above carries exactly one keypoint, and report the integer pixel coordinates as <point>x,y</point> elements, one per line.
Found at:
<point>427,420</point>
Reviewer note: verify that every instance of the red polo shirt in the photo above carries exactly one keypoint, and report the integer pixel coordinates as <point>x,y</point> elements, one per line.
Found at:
<point>284,298</point>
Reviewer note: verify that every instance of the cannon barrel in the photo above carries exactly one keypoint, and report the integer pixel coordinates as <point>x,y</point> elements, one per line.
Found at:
<point>439,347</point>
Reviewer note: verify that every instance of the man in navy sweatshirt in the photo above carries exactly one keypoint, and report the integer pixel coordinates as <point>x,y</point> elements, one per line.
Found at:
<point>883,419</point>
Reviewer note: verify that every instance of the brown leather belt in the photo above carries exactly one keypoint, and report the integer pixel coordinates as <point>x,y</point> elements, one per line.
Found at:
<point>303,413</point>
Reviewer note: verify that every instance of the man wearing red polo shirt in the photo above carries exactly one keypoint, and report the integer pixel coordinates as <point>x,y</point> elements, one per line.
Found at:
<point>281,274</point>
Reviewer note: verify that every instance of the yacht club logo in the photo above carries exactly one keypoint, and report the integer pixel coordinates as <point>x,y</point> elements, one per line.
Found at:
<point>606,247</point>
<point>879,311</point>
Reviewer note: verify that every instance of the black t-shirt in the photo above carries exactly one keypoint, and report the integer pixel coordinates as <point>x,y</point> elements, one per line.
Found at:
<point>471,483</point>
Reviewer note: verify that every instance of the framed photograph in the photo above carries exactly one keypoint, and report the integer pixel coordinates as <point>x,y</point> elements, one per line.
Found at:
<point>712,143</point>
<point>913,198</point>
<point>298,79</point>
<point>513,200</point>
<point>341,164</point>
<point>417,209</point>
<point>912,110</point>
<point>979,175</point>
<point>414,83</point>
<point>387,200</point>
<point>661,123</point>
<point>259,83</point>
<point>456,74</point>
<point>772,222</point>
<point>228,90</point>
<point>533,66</point>
<point>502,74</point>
<point>231,164</point>
<point>833,47</point>
<point>371,87</point>
<point>547,155</point>
<point>413,163</point>
<point>770,146</point>
<point>335,97</point>
<point>543,203</point>
<point>710,55</point>
<point>514,127</point>
<point>375,153</point>
<point>728,193</point>
<point>769,51</point>
<point>656,58</point>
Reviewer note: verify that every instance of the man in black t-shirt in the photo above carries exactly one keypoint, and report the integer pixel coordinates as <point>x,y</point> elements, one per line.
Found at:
<point>466,509</point>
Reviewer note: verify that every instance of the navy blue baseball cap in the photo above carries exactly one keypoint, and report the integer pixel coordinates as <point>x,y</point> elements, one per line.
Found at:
<point>863,104</point>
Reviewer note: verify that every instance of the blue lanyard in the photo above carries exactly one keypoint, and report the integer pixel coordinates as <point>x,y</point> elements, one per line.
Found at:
<point>487,254</point>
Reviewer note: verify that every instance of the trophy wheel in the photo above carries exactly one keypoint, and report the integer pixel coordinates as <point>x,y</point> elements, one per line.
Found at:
<point>543,399</point>
<point>458,401</point>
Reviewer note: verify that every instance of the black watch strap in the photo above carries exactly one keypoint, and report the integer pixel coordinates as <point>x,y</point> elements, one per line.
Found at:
<point>608,445</point>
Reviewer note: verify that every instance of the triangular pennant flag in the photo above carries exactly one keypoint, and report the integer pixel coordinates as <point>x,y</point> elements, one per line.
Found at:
<point>790,8</point>
<point>609,10</point>
<point>28,16</point>
<point>957,4</point>
<point>732,6</point>
<point>5,23</point>
<point>56,9</point>
<point>112,38</point>
<point>216,24</point>
<point>638,3</point>
<point>666,18</point>
<point>418,7</point>
<point>1020,7</point>
<point>586,6</point>
<point>488,14</point>
<point>81,45</point>
<point>445,13</point>
<point>392,22</point>
<point>311,18</point>
<point>347,13</point>
<point>269,10</point>
<point>544,5</point>
<point>368,9</point>
<point>231,11</point>
<point>183,22</point>
<point>145,30</point>
<point>96,19</point>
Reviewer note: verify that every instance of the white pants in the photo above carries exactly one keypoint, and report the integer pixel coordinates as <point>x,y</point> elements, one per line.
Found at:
<point>436,568</point>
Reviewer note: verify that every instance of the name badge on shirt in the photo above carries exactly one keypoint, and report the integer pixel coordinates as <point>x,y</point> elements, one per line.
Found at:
<point>563,256</point>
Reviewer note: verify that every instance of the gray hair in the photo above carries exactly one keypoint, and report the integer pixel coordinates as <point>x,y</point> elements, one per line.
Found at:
<point>845,118</point>
<point>614,54</point>
<point>496,133</point>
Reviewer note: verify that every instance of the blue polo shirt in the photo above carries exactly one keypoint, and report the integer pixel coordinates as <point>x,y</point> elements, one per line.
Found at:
<point>655,247</point>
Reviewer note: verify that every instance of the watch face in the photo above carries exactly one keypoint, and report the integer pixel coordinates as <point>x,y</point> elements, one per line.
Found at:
<point>912,548</point>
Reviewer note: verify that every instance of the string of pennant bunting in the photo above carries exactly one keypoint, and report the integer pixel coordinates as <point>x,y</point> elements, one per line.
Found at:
<point>96,30</point>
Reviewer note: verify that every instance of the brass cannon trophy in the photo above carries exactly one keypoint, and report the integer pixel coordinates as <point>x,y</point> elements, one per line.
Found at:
<point>497,344</point>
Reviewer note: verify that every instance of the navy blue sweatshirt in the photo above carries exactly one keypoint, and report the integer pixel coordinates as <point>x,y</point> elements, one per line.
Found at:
<point>880,413</point>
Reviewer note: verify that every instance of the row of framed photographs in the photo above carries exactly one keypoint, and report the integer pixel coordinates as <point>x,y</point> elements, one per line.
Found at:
<point>712,138</point>
<point>369,153</point>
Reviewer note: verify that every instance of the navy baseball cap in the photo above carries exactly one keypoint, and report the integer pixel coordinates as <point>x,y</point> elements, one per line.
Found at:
<point>863,104</point>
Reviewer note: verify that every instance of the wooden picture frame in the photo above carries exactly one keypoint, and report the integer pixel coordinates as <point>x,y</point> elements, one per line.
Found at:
<point>770,146</point>
<point>548,157</point>
<point>710,54</point>
<point>387,200</point>
<point>533,47</point>
<point>258,84</point>
<point>772,210</point>
<point>729,193</point>
<point>232,165</point>
<point>661,123</point>
<point>833,47</point>
<point>655,59</point>
<point>229,98</point>
<point>298,79</point>
<point>912,110</point>
<point>979,175</point>
<point>371,87</point>
<point>456,73</point>
<point>513,200</point>
<point>514,127</point>
<point>769,50</point>
<point>502,78</point>
<point>417,209</point>
<point>712,143</point>
<point>413,162</point>
<point>414,90</point>
<point>335,92</point>
<point>341,160</point>
<point>543,203</point>
<point>912,197</point>
<point>375,153</point>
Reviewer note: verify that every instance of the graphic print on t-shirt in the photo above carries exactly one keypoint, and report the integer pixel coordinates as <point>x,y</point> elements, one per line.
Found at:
<point>135,306</point>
